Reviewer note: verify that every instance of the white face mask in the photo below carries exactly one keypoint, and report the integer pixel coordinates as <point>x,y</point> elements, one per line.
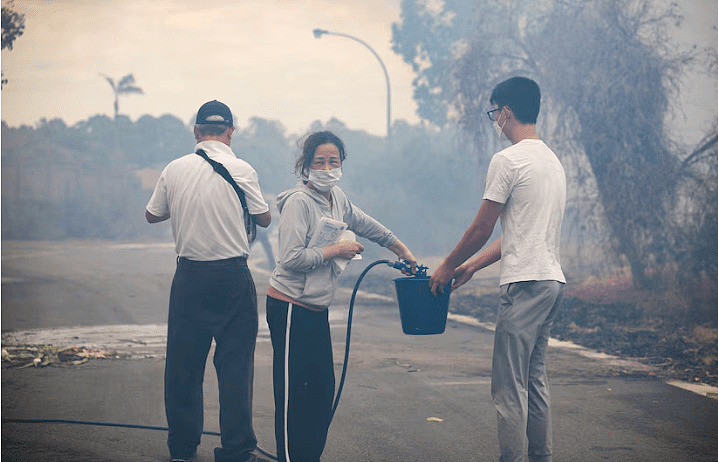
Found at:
<point>324,180</point>
<point>499,129</point>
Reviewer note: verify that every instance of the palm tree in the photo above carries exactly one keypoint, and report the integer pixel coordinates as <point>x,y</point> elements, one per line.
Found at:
<point>126,85</point>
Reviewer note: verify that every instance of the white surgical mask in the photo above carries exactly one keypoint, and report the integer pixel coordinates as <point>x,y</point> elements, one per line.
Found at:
<point>499,129</point>
<point>324,180</point>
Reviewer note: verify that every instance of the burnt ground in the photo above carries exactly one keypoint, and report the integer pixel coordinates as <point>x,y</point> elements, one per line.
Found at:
<point>611,317</point>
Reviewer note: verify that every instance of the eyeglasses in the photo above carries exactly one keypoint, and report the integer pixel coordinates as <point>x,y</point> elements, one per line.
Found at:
<point>492,116</point>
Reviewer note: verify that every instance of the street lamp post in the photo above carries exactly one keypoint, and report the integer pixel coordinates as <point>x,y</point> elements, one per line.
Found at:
<point>318,34</point>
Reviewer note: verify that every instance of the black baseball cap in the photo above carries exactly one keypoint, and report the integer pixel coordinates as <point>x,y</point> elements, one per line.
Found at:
<point>214,112</point>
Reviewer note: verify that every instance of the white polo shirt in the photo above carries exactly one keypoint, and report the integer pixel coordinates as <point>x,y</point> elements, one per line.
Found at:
<point>529,180</point>
<point>205,212</point>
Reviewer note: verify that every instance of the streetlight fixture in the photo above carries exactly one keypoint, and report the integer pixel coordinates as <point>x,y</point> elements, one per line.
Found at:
<point>318,34</point>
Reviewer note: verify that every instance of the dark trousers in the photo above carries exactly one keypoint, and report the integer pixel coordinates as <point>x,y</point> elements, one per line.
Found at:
<point>209,300</point>
<point>311,380</point>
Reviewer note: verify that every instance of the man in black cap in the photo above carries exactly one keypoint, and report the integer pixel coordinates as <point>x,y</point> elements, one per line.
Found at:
<point>213,294</point>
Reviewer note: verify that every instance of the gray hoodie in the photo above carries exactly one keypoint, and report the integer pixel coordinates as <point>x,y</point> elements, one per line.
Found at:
<point>301,272</point>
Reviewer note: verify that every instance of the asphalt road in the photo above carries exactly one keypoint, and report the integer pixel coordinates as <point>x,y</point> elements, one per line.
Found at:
<point>407,398</point>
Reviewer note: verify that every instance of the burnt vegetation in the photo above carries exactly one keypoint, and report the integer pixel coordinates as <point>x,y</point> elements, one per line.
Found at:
<point>642,209</point>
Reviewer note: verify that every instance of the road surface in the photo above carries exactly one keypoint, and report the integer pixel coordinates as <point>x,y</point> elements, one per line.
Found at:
<point>407,398</point>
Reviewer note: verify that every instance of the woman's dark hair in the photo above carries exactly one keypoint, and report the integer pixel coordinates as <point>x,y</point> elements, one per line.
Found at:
<point>309,147</point>
<point>521,95</point>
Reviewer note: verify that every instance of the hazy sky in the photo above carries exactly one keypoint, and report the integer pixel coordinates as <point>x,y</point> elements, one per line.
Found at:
<point>258,56</point>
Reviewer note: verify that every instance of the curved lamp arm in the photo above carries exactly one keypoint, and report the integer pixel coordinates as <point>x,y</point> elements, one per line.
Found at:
<point>318,34</point>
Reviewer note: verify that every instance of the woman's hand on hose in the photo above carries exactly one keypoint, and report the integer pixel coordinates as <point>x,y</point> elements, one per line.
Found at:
<point>403,252</point>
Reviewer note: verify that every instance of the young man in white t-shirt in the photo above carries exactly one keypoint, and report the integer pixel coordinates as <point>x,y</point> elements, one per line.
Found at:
<point>526,189</point>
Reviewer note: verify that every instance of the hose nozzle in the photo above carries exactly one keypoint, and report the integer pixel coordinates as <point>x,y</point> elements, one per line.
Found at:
<point>406,267</point>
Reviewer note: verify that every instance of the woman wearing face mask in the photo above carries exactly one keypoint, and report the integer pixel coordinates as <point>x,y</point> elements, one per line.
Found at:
<point>301,289</point>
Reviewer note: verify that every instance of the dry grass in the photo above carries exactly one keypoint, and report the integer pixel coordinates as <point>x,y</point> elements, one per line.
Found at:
<point>609,315</point>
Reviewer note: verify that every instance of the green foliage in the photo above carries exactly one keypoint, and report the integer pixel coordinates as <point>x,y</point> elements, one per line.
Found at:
<point>428,37</point>
<point>153,142</point>
<point>13,26</point>
<point>64,181</point>
<point>268,148</point>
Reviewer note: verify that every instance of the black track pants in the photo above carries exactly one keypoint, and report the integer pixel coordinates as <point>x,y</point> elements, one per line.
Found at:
<point>305,417</point>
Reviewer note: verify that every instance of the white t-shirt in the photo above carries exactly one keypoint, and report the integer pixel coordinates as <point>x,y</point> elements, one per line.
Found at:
<point>529,180</point>
<point>205,211</point>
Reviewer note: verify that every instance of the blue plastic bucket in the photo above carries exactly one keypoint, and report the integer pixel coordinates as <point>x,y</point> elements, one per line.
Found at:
<point>421,312</point>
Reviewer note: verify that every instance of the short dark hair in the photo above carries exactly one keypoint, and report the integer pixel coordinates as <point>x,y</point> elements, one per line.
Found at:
<point>211,129</point>
<point>309,147</point>
<point>522,95</point>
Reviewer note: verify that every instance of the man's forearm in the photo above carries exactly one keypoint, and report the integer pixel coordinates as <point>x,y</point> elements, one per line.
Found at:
<point>470,243</point>
<point>476,236</point>
<point>488,257</point>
